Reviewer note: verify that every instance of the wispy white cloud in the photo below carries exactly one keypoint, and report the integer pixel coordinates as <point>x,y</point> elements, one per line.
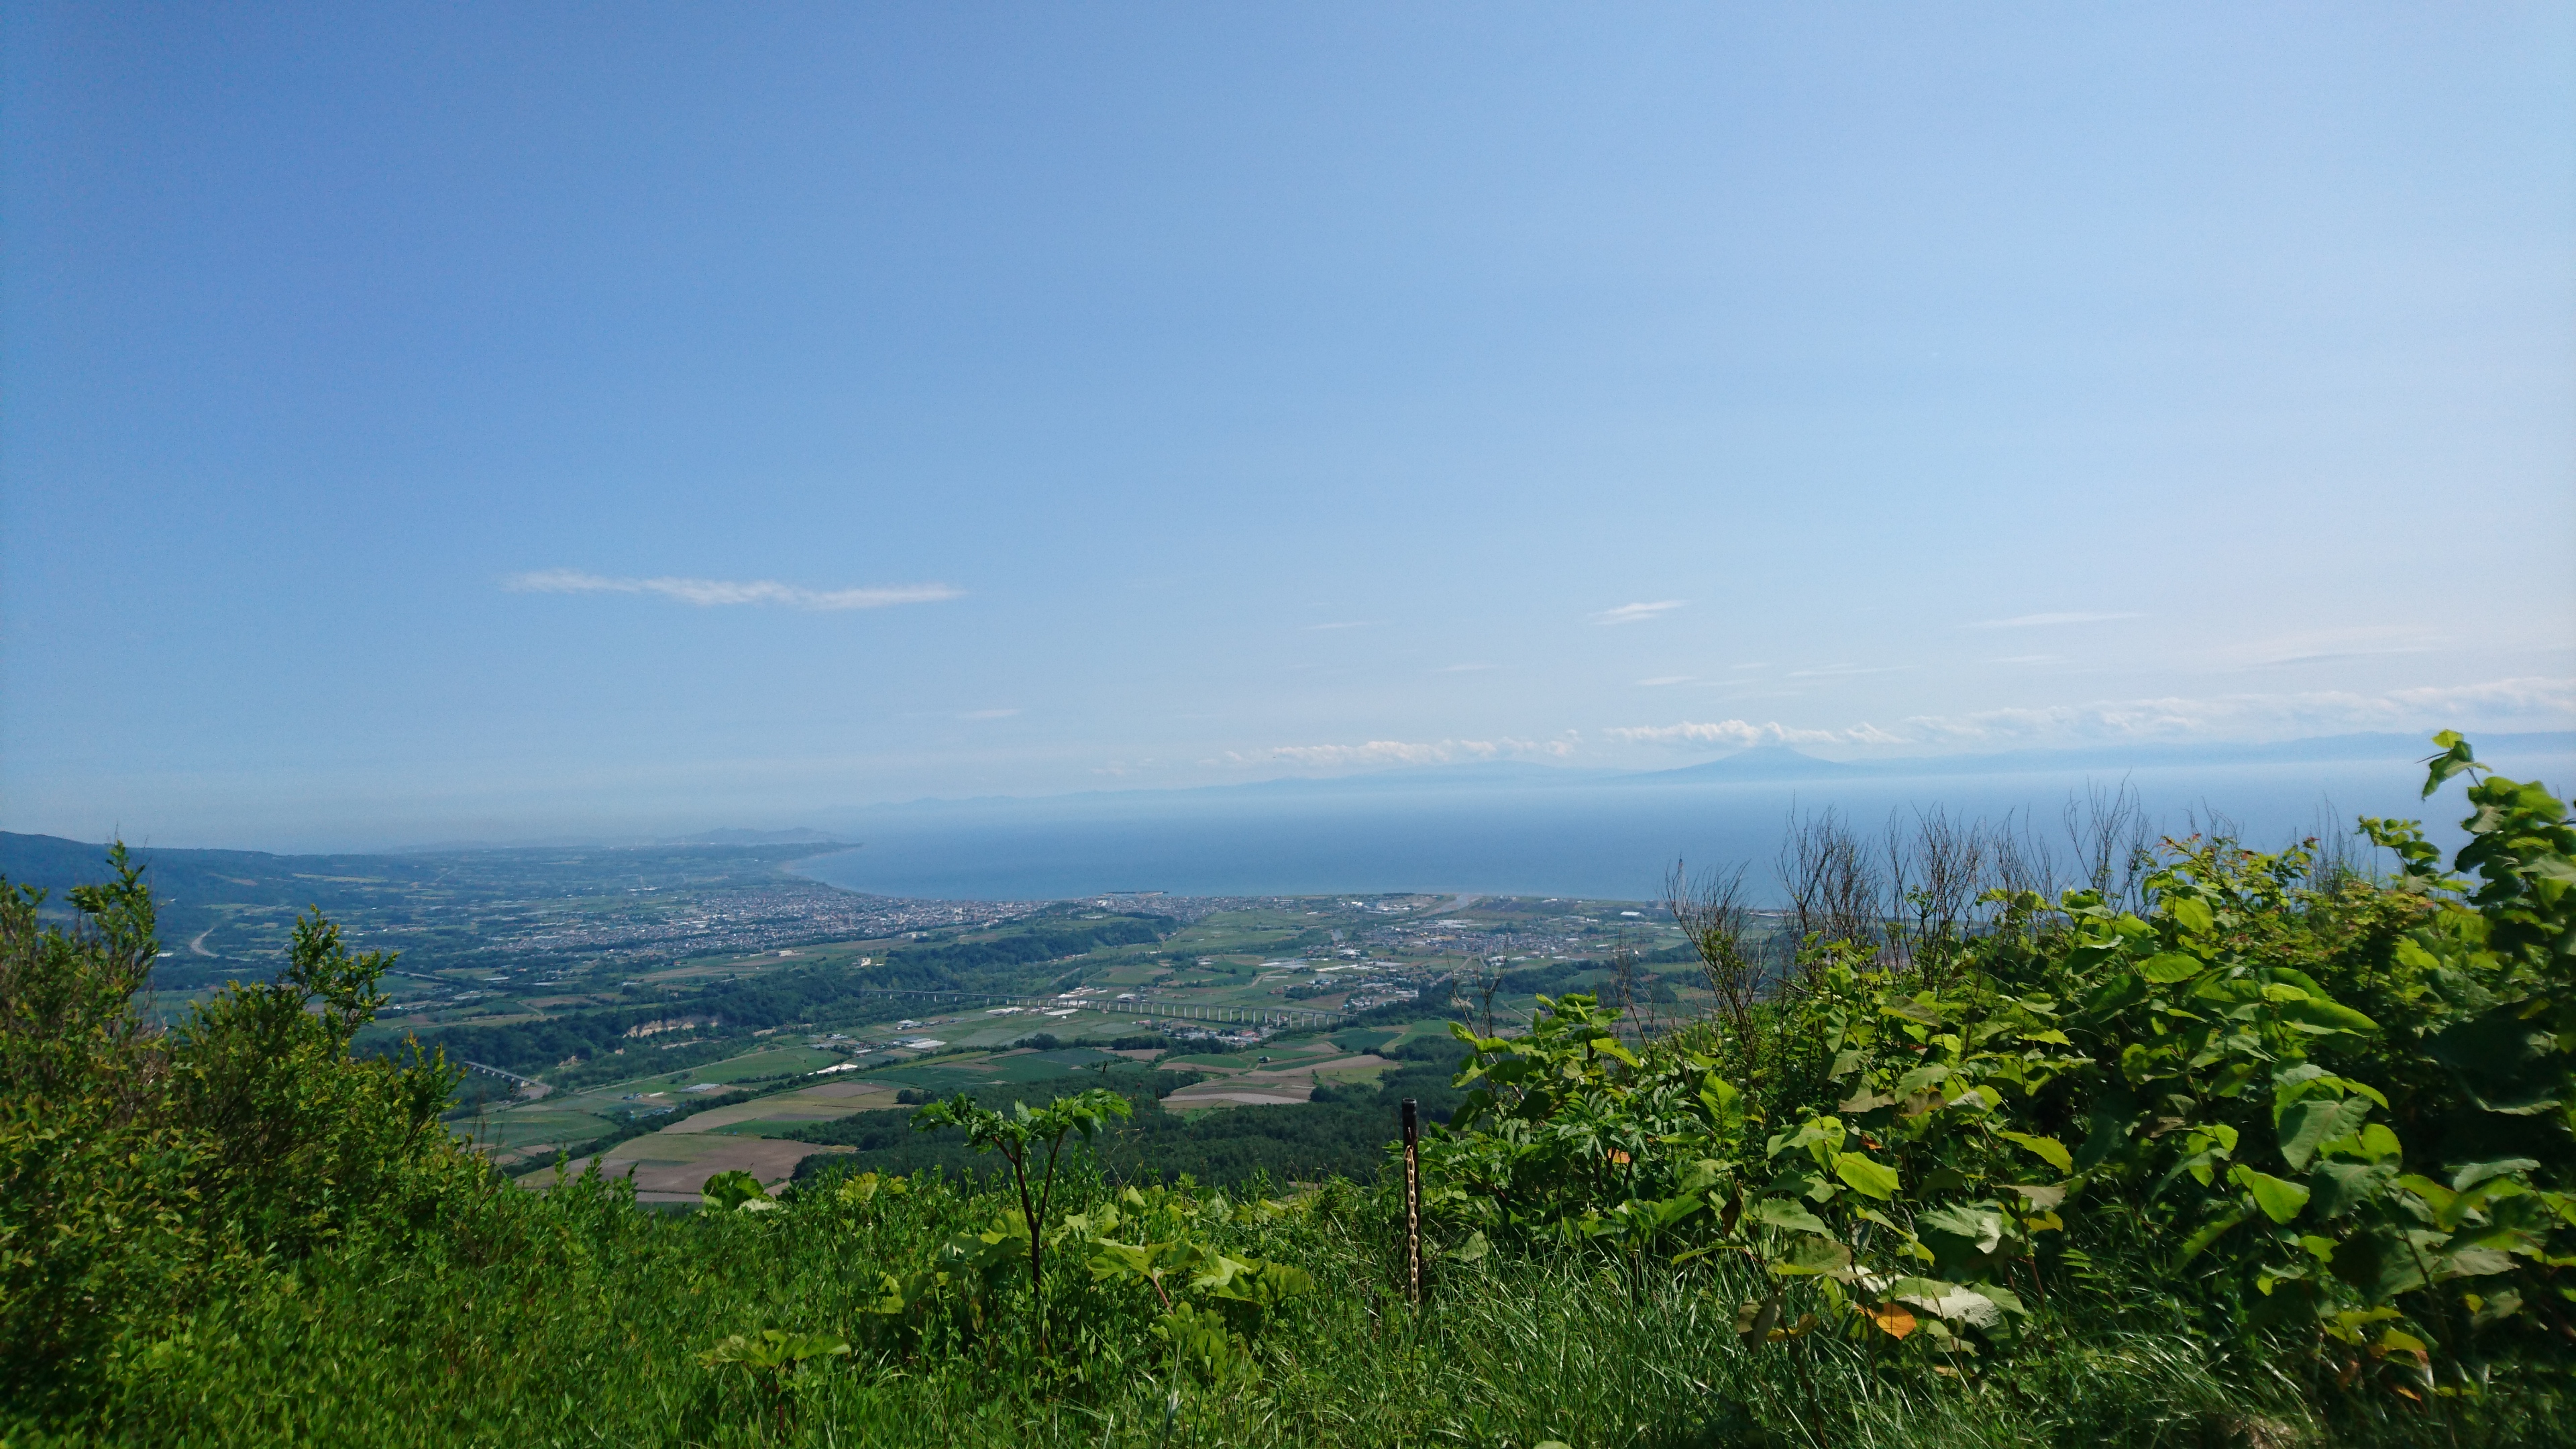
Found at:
<point>2317,646</point>
<point>1404,752</point>
<point>2532,702</point>
<point>1744,735</point>
<point>708,593</point>
<point>2042,621</point>
<point>1637,613</point>
<point>1838,671</point>
<point>2546,703</point>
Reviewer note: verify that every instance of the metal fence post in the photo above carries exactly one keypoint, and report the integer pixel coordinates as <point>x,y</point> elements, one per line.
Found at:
<point>1412,1204</point>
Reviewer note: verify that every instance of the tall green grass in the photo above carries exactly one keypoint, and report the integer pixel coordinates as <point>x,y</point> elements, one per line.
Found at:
<point>579,1319</point>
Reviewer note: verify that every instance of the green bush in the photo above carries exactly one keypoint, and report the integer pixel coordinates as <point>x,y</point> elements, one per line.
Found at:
<point>143,1174</point>
<point>2321,1115</point>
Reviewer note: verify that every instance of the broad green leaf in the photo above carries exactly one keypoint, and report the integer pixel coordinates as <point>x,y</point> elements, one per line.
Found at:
<point>1873,1215</point>
<point>1610,1047</point>
<point>2279,1200</point>
<point>1218,1276</point>
<point>1863,1176</point>
<point>1282,1281</point>
<point>2192,914</point>
<point>2551,867</point>
<point>2199,1242</point>
<point>1914,1011</point>
<point>2454,758</point>
<point>2474,1263</point>
<point>1981,1229</point>
<point>1948,1300</point>
<point>2342,1186</point>
<point>2319,1119</point>
<point>802,1346</point>
<point>2498,1307</point>
<point>1786,1213</point>
<point>1673,1209</point>
<point>1821,1136</point>
<point>1720,1097</point>
<point>2478,1172</point>
<point>1811,1254</point>
<point>2049,1149</point>
<point>2375,1143</point>
<point>2137,1062</point>
<point>2172,966</point>
<point>2320,1015</point>
<point>1111,1260</point>
<point>730,1190</point>
<point>2125,989</point>
<point>2441,1199</point>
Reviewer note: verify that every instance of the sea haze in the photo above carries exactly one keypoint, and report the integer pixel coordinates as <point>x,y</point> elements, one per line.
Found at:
<point>1533,830</point>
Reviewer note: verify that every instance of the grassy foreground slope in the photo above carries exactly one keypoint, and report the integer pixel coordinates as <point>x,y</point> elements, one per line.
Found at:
<point>2268,1154</point>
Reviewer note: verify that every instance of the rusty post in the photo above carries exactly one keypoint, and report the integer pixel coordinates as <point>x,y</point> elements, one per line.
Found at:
<point>1412,1204</point>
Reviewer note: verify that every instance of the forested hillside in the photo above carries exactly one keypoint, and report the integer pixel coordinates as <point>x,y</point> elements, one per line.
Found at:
<point>1340,1132</point>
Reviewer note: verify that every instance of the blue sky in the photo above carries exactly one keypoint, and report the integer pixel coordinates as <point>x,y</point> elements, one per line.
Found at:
<point>486,420</point>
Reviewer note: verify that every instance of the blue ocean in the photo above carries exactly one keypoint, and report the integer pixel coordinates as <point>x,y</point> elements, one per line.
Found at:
<point>1529,830</point>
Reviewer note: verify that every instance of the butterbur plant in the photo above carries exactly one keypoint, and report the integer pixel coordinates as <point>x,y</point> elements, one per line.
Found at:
<point>1214,1299</point>
<point>772,1359</point>
<point>735,1191</point>
<point>1016,1135</point>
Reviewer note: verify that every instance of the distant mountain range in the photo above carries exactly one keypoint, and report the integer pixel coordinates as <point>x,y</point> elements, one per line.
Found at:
<point>756,837</point>
<point>53,863</point>
<point>1763,762</point>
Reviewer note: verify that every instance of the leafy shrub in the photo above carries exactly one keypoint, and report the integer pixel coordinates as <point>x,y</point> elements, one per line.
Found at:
<point>143,1173</point>
<point>2327,1113</point>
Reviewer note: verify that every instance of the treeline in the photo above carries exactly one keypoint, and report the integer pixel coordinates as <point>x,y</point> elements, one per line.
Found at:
<point>1342,1132</point>
<point>749,1004</point>
<point>199,889</point>
<point>1051,942</point>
